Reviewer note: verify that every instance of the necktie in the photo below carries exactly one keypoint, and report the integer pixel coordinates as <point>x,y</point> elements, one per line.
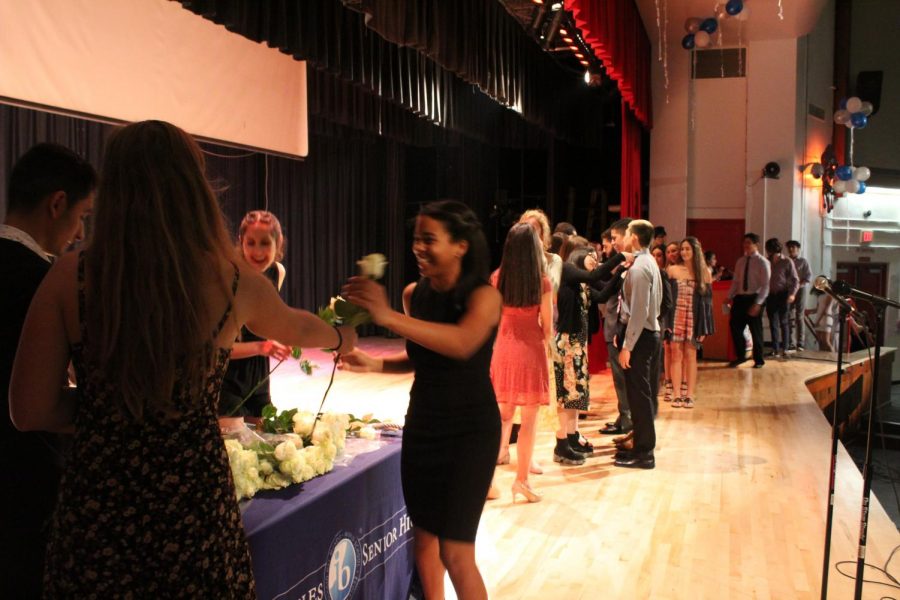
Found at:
<point>746,272</point>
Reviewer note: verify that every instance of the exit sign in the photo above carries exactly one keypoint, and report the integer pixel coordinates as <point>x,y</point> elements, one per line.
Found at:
<point>866,237</point>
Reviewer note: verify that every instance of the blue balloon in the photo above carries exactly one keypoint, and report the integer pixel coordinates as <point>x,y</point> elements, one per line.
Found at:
<point>709,25</point>
<point>687,42</point>
<point>862,187</point>
<point>844,173</point>
<point>859,120</point>
<point>733,7</point>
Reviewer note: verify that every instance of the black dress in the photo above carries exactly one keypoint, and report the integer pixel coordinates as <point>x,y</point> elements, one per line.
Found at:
<point>452,432</point>
<point>244,373</point>
<point>147,510</point>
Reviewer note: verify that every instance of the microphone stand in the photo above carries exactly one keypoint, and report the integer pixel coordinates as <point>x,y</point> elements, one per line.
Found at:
<point>829,519</point>
<point>880,305</point>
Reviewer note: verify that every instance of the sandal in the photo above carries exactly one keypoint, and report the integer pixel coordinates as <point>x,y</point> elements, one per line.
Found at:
<point>689,403</point>
<point>669,392</point>
<point>677,402</point>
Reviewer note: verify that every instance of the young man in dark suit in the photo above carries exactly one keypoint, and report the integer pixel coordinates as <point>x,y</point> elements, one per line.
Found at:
<point>50,193</point>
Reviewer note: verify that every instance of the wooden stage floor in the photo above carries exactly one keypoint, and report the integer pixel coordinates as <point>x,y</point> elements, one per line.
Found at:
<point>734,509</point>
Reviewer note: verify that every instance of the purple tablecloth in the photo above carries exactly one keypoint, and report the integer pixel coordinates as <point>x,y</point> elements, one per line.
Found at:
<point>343,535</point>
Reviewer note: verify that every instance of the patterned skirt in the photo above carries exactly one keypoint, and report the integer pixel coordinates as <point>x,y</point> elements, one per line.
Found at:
<point>571,371</point>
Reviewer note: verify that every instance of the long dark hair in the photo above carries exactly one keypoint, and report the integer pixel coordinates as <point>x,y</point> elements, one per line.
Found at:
<point>521,268</point>
<point>157,233</point>
<point>698,264</point>
<point>462,224</point>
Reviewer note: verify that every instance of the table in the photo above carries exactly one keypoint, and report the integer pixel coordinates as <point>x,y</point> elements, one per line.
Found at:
<point>343,535</point>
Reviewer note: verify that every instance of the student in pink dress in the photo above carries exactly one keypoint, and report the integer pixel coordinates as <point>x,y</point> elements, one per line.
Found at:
<point>519,369</point>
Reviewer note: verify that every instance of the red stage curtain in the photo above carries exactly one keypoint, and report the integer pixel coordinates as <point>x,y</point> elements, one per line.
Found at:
<point>631,198</point>
<point>616,33</point>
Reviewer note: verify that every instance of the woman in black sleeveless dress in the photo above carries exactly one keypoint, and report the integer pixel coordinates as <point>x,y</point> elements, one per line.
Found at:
<point>261,242</point>
<point>147,506</point>
<point>452,431</point>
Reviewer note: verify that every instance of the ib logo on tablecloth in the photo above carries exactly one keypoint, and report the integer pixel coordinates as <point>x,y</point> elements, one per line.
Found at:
<point>343,560</point>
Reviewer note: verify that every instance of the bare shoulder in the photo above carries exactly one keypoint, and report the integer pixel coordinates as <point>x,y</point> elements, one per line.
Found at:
<point>408,291</point>
<point>677,271</point>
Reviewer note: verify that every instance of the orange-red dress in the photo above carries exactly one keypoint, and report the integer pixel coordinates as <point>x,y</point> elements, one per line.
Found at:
<point>519,369</point>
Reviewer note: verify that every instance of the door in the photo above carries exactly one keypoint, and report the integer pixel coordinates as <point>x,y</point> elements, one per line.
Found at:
<point>868,277</point>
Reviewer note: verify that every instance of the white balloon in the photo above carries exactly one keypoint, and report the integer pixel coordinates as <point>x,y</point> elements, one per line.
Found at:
<point>852,186</point>
<point>866,108</point>
<point>854,104</point>
<point>862,174</point>
<point>701,39</point>
<point>840,186</point>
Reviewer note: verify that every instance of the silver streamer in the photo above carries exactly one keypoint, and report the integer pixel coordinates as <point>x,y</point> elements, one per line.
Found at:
<point>780,11</point>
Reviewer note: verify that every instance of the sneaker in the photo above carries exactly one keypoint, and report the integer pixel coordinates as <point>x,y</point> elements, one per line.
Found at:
<point>688,403</point>
<point>677,402</point>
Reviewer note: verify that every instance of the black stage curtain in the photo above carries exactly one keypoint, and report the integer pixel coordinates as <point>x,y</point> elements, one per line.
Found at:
<point>344,201</point>
<point>451,52</point>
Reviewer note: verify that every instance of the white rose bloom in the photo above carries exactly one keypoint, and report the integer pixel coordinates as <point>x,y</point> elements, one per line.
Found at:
<point>329,451</point>
<point>285,451</point>
<point>372,265</point>
<point>307,473</point>
<point>368,432</point>
<point>265,467</point>
<point>303,423</point>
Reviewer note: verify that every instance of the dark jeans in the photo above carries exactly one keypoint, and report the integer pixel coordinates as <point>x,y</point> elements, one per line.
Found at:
<point>618,377</point>
<point>639,386</point>
<point>796,318</point>
<point>777,308</point>
<point>740,318</point>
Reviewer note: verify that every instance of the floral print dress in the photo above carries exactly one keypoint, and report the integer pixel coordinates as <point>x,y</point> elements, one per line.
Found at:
<point>571,370</point>
<point>146,510</point>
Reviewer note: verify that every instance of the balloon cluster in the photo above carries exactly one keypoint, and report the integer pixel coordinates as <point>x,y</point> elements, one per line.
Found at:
<point>854,113</point>
<point>700,32</point>
<point>851,179</point>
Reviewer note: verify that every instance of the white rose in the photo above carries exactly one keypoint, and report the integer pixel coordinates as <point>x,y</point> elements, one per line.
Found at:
<point>368,432</point>
<point>265,467</point>
<point>285,451</point>
<point>329,451</point>
<point>372,265</point>
<point>303,423</point>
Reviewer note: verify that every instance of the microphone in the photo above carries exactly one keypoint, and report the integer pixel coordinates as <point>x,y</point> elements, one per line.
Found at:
<point>824,284</point>
<point>845,289</point>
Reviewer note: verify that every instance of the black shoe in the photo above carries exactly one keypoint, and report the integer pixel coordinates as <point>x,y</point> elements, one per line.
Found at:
<point>612,429</point>
<point>637,461</point>
<point>622,454</point>
<point>575,444</point>
<point>759,365</point>
<point>736,363</point>
<point>564,454</point>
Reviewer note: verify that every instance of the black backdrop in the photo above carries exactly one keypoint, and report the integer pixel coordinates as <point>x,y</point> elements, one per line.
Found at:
<point>357,191</point>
